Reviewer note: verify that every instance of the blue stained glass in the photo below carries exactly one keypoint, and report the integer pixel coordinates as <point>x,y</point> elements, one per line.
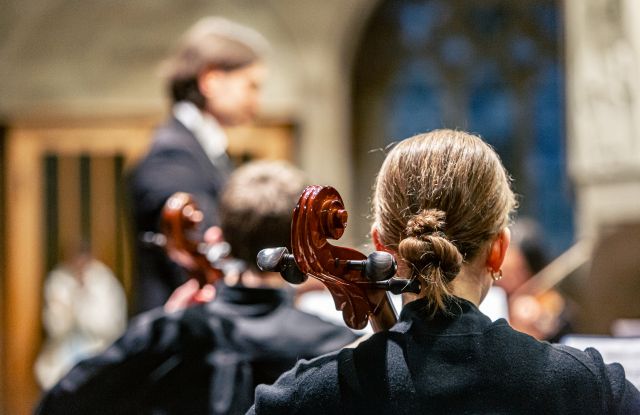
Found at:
<point>484,72</point>
<point>492,112</point>
<point>548,109</point>
<point>492,68</point>
<point>552,203</point>
<point>419,20</point>
<point>552,188</point>
<point>414,102</point>
<point>487,19</point>
<point>457,50</point>
<point>524,50</point>
<point>547,17</point>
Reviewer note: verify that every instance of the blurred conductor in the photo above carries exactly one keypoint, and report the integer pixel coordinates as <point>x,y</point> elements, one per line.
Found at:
<point>214,79</point>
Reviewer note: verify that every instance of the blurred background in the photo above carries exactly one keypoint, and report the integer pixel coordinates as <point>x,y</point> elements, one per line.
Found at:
<point>552,85</point>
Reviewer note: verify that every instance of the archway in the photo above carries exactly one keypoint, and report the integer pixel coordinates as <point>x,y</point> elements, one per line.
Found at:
<point>493,68</point>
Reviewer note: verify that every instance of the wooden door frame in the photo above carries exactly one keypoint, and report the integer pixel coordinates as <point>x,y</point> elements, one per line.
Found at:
<point>25,147</point>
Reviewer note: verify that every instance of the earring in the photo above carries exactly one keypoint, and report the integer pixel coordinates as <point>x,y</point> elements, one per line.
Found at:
<point>496,276</point>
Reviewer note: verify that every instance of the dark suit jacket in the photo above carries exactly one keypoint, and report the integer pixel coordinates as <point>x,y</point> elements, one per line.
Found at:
<point>206,359</point>
<point>176,162</point>
<point>453,364</point>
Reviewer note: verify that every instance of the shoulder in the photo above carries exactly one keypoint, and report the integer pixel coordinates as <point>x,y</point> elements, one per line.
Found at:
<point>585,366</point>
<point>313,320</point>
<point>171,137</point>
<point>158,332</point>
<point>554,368</point>
<point>311,387</point>
<point>617,393</point>
<point>541,356</point>
<point>97,379</point>
<point>590,359</point>
<point>330,383</point>
<point>314,335</point>
<point>151,330</point>
<point>170,130</point>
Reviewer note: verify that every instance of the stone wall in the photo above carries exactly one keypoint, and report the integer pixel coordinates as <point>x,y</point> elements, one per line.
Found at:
<point>93,58</point>
<point>603,96</point>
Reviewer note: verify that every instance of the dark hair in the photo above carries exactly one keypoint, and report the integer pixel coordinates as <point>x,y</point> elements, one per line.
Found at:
<point>212,43</point>
<point>438,198</point>
<point>527,236</point>
<point>256,207</point>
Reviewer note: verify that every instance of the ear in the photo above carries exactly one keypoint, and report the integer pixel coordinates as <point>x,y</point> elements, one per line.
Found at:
<point>208,81</point>
<point>498,250</point>
<point>377,243</point>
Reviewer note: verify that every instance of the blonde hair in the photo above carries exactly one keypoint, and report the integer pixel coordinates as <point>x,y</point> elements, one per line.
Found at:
<point>439,197</point>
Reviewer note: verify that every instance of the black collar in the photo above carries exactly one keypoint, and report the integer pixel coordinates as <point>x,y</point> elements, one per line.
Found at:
<point>460,317</point>
<point>249,301</point>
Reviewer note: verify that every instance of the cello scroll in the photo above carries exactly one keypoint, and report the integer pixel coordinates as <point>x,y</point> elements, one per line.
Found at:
<point>180,238</point>
<point>357,283</point>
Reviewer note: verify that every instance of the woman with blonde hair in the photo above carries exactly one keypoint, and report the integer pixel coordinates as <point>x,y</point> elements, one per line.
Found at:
<point>441,206</point>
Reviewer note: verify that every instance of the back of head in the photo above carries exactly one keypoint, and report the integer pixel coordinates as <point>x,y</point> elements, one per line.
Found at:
<point>257,205</point>
<point>526,235</point>
<point>439,197</point>
<point>211,43</point>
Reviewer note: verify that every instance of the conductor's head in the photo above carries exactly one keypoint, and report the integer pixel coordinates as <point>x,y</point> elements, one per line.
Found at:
<point>218,66</point>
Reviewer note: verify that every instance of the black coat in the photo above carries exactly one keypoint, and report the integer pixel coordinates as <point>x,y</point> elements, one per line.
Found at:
<point>176,162</point>
<point>457,364</point>
<point>206,359</point>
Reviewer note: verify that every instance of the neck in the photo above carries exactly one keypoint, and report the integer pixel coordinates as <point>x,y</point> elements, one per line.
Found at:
<point>469,288</point>
<point>472,284</point>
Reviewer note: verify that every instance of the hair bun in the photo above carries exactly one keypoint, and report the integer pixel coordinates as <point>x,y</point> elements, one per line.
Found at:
<point>426,246</point>
<point>427,222</point>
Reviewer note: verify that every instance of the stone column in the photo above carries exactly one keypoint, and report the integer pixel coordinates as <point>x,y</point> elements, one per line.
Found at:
<point>603,113</point>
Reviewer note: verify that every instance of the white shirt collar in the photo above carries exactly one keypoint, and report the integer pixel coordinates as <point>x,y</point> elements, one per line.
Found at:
<point>204,127</point>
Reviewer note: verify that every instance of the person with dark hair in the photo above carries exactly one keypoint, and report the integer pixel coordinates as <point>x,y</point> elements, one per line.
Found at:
<point>256,208</point>
<point>214,79</point>
<point>441,206</point>
<point>208,358</point>
<point>545,316</point>
<point>526,256</point>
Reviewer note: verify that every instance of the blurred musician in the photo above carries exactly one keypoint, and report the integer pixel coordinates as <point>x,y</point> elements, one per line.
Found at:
<point>545,315</point>
<point>214,79</point>
<point>441,206</point>
<point>208,358</point>
<point>84,310</point>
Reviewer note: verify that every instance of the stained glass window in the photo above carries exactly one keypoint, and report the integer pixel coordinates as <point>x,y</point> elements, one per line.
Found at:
<point>493,68</point>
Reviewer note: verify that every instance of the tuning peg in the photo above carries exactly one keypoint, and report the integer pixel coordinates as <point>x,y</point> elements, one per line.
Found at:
<point>399,285</point>
<point>215,252</point>
<point>378,266</point>
<point>153,239</point>
<point>280,260</point>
